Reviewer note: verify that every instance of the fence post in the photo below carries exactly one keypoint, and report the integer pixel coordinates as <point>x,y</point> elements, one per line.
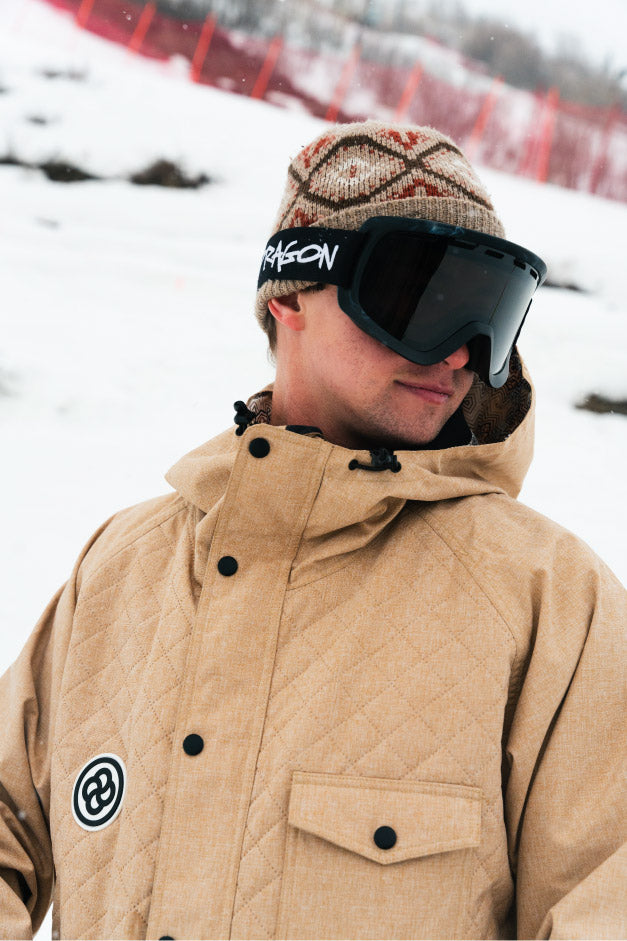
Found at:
<point>344,81</point>
<point>274,49</point>
<point>143,25</point>
<point>83,12</point>
<point>482,118</point>
<point>546,135</point>
<point>202,46</point>
<point>408,92</point>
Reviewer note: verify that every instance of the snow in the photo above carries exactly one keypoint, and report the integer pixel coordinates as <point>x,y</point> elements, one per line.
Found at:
<point>127,327</point>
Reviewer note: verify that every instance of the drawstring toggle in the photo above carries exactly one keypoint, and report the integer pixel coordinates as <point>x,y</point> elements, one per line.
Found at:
<point>243,417</point>
<point>381,458</point>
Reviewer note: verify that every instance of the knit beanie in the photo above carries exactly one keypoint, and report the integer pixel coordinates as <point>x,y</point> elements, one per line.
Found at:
<point>352,172</point>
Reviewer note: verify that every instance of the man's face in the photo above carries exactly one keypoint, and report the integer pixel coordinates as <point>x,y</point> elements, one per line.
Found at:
<point>356,390</point>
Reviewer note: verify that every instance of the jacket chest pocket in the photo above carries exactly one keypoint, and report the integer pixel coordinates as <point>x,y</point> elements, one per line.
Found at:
<point>377,858</point>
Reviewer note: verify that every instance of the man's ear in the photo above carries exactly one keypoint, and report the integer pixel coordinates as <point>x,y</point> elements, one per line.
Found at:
<point>286,310</point>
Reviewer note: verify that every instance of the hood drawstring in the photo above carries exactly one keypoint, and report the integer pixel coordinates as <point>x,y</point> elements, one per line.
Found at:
<point>382,459</point>
<point>243,417</point>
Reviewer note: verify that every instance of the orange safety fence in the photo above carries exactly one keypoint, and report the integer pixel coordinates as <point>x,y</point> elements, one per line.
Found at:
<point>536,135</point>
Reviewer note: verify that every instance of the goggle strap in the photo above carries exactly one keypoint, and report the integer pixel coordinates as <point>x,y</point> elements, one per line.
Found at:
<point>311,254</point>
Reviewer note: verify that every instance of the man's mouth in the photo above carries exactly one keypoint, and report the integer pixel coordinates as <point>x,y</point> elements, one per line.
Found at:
<point>429,391</point>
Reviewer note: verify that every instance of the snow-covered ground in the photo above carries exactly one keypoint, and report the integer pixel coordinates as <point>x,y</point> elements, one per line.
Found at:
<point>127,328</point>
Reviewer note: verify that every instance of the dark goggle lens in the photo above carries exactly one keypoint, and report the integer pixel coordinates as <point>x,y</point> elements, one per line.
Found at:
<point>422,290</point>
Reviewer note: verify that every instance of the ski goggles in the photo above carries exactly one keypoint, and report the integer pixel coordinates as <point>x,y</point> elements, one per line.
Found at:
<point>424,289</point>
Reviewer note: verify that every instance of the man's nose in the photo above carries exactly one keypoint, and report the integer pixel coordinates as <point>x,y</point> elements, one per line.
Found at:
<point>459,358</point>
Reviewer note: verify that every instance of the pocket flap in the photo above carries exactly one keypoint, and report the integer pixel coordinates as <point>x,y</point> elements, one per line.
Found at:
<point>347,810</point>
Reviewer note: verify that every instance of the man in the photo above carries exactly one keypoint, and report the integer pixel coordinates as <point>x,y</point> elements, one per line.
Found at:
<point>340,683</point>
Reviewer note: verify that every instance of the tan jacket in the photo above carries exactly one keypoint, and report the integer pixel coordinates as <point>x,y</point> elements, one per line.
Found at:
<point>404,708</point>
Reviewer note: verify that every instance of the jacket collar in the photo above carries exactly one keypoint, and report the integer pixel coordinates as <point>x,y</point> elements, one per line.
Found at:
<point>426,475</point>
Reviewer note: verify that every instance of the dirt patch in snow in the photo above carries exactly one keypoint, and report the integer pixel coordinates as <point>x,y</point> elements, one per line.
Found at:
<point>166,173</point>
<point>159,173</point>
<point>601,405</point>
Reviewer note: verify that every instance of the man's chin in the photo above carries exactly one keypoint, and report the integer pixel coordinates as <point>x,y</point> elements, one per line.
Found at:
<point>398,440</point>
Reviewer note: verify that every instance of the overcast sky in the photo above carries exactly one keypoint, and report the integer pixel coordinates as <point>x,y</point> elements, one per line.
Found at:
<point>599,25</point>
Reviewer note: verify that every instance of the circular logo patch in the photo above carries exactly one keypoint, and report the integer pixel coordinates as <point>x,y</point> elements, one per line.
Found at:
<point>98,792</point>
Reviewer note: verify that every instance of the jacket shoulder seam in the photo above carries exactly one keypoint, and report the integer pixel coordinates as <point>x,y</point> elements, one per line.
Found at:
<point>138,532</point>
<point>463,562</point>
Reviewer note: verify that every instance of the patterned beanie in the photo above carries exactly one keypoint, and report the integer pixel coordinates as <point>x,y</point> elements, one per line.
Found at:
<point>352,172</point>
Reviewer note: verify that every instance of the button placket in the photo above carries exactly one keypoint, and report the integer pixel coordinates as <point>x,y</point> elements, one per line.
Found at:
<point>259,448</point>
<point>244,672</point>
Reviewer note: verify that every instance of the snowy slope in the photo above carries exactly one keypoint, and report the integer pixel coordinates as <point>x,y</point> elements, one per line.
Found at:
<point>127,328</point>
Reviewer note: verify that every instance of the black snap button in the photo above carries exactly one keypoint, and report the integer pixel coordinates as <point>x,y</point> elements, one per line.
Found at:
<point>193,744</point>
<point>385,838</point>
<point>227,565</point>
<point>259,447</point>
<point>166,937</point>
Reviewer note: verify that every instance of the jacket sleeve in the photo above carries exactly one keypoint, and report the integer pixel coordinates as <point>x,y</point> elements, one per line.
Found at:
<point>29,693</point>
<point>567,750</point>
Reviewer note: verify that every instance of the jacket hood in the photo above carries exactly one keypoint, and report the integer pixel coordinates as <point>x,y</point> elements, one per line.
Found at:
<point>501,422</point>
<point>353,506</point>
